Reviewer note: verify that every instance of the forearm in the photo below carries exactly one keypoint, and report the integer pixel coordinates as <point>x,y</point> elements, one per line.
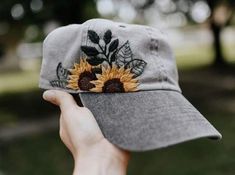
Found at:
<point>104,161</point>
<point>93,166</point>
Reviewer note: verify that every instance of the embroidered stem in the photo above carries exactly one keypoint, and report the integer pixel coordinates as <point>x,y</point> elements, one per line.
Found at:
<point>110,64</point>
<point>101,48</point>
<point>104,53</point>
<point>109,59</point>
<point>105,48</point>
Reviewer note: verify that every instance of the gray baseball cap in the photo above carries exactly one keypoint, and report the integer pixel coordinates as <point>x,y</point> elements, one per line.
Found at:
<point>126,75</point>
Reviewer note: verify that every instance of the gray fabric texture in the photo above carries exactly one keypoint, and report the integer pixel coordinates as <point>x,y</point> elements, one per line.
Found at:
<point>155,116</point>
<point>149,44</point>
<point>147,120</point>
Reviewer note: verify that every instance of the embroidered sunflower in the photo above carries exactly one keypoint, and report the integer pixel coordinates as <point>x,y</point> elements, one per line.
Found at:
<point>115,79</point>
<point>92,75</point>
<point>81,76</point>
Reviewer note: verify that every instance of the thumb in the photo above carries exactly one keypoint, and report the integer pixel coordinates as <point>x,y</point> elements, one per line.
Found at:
<point>62,99</point>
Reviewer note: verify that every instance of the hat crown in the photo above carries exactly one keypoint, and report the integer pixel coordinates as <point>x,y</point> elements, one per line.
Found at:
<point>104,56</point>
<point>141,50</point>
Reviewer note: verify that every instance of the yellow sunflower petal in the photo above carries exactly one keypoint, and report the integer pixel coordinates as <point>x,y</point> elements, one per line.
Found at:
<point>124,75</point>
<point>77,70</point>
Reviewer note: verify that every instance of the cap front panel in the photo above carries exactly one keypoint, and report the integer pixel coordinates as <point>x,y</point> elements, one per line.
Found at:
<point>114,57</point>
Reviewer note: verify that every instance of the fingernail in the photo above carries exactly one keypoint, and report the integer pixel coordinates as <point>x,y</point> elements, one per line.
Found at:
<point>48,95</point>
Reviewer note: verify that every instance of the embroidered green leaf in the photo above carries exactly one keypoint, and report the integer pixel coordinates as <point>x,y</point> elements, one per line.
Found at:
<point>136,66</point>
<point>61,72</point>
<point>124,54</point>
<point>113,45</point>
<point>90,51</point>
<point>107,36</point>
<point>93,36</point>
<point>95,61</point>
<point>59,83</point>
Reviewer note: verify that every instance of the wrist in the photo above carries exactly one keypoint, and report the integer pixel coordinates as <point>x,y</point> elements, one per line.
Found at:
<point>102,158</point>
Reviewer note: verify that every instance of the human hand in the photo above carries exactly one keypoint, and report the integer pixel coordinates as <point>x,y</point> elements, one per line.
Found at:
<point>93,154</point>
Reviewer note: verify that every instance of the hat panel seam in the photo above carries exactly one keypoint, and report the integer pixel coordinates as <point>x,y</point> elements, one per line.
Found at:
<point>154,50</point>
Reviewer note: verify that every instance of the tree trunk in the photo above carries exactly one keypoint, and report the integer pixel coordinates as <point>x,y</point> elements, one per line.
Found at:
<point>219,59</point>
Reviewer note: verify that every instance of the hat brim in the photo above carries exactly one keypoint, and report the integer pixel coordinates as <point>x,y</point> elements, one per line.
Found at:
<point>146,120</point>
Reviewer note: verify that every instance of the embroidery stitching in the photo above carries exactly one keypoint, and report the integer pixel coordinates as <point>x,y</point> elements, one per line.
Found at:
<point>62,75</point>
<point>106,68</point>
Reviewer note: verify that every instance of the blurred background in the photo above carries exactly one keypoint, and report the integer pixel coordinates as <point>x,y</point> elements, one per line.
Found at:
<point>202,35</point>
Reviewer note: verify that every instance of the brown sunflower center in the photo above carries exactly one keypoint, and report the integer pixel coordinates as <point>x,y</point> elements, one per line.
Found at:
<point>113,85</point>
<point>84,80</point>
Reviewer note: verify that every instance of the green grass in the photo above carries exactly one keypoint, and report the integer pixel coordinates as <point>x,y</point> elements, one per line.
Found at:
<point>16,106</point>
<point>18,81</point>
<point>229,52</point>
<point>39,154</point>
<point>201,55</point>
<point>188,58</point>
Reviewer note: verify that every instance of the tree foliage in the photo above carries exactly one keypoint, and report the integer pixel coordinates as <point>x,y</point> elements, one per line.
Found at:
<point>62,11</point>
<point>221,15</point>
